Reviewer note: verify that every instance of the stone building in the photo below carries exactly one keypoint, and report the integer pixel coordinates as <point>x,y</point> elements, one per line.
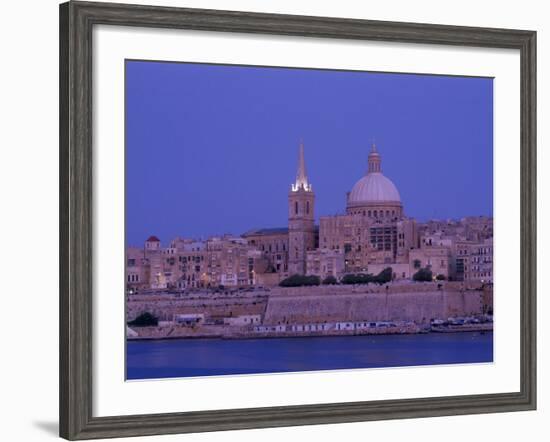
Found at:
<point>438,259</point>
<point>218,261</point>
<point>325,262</point>
<point>480,262</point>
<point>273,244</point>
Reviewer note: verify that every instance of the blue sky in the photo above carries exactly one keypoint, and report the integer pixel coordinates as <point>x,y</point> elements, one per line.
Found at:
<point>212,149</point>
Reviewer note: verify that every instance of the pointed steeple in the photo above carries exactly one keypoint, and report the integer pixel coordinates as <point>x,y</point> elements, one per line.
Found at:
<point>301,174</point>
<point>374,160</point>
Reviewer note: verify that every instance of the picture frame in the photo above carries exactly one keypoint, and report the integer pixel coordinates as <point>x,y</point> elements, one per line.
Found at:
<point>77,20</point>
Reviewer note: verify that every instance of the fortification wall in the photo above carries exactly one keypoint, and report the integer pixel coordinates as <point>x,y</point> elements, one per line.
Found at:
<point>418,302</point>
<point>165,309</point>
<point>377,305</point>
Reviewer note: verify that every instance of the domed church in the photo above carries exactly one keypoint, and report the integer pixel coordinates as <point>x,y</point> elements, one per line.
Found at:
<point>374,231</point>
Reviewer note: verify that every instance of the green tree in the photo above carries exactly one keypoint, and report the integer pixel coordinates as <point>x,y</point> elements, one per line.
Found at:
<point>330,280</point>
<point>300,280</point>
<point>312,280</point>
<point>423,275</point>
<point>144,320</point>
<point>358,278</point>
<point>384,276</point>
<point>292,281</point>
<point>364,278</point>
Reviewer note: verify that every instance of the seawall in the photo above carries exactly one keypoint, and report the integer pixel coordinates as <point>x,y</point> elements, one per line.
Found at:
<point>418,303</point>
<point>396,302</point>
<point>164,307</point>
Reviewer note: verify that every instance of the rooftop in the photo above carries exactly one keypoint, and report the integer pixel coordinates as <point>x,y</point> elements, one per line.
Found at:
<point>268,231</point>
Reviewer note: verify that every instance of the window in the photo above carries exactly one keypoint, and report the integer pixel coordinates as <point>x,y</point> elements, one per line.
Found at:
<point>307,207</point>
<point>417,263</point>
<point>131,262</point>
<point>296,207</point>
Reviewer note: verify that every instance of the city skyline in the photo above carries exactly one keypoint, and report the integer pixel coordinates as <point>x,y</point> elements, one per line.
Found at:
<point>175,187</point>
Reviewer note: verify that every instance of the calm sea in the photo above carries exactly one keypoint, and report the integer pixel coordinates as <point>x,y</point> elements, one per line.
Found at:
<point>209,357</point>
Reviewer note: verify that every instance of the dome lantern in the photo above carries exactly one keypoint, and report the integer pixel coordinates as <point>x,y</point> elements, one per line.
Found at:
<point>374,160</point>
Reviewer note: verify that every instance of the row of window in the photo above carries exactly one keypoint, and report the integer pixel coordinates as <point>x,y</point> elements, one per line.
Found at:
<point>269,247</point>
<point>481,275</point>
<point>374,213</point>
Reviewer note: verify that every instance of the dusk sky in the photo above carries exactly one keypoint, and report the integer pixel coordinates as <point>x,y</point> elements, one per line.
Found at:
<point>213,149</point>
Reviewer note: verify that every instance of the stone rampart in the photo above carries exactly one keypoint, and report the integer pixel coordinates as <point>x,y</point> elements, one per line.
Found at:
<point>165,308</point>
<point>320,304</point>
<point>418,302</point>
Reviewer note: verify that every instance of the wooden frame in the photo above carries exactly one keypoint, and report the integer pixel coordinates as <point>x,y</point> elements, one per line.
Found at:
<point>76,22</point>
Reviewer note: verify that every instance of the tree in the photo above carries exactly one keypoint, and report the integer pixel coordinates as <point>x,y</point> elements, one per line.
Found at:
<point>423,275</point>
<point>300,280</point>
<point>330,280</point>
<point>312,280</point>
<point>384,276</point>
<point>359,278</point>
<point>144,320</point>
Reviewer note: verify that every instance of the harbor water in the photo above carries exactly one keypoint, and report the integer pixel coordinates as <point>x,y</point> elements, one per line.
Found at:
<point>210,357</point>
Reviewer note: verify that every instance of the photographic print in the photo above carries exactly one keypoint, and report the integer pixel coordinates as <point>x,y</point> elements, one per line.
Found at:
<point>296,219</point>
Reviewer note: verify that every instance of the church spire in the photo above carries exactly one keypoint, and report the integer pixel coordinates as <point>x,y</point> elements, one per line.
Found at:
<point>301,175</point>
<point>374,160</point>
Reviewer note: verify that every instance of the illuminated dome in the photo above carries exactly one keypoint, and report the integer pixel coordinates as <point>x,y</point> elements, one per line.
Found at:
<point>374,187</point>
<point>374,195</point>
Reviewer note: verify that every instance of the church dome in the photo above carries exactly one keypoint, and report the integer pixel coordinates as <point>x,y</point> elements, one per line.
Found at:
<point>374,195</point>
<point>372,188</point>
